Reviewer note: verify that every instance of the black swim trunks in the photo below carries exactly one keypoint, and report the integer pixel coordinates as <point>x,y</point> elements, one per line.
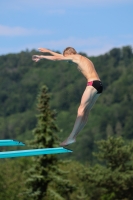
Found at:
<point>97,85</point>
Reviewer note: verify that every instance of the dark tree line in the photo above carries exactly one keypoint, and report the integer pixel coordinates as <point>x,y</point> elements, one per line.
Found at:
<point>21,78</point>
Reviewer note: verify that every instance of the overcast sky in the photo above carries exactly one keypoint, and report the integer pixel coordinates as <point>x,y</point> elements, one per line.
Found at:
<point>90,26</point>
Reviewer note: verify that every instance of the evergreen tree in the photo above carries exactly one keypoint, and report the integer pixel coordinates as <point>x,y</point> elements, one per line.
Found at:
<point>12,179</point>
<point>2,189</point>
<point>114,179</point>
<point>46,179</point>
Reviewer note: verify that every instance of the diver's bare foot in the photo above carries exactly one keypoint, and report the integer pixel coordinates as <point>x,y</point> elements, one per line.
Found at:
<point>67,142</point>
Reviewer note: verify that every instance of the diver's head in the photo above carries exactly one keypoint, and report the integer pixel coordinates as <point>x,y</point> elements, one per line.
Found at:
<point>69,51</point>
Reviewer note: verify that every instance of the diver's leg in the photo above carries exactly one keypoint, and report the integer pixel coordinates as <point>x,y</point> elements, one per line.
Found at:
<point>88,99</point>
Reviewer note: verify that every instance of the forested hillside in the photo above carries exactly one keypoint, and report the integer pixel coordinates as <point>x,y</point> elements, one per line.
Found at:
<point>21,79</point>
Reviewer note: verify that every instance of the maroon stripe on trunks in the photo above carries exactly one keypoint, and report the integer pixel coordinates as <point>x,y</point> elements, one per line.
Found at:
<point>90,83</point>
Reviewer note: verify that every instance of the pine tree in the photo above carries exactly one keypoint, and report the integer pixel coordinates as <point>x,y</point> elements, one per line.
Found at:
<point>114,179</point>
<point>45,177</point>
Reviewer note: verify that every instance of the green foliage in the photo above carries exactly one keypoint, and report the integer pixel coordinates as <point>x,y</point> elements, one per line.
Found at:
<point>46,179</point>
<point>21,78</point>
<point>12,178</point>
<point>114,179</point>
<point>111,179</point>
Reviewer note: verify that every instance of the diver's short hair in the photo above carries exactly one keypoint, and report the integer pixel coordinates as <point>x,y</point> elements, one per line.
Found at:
<point>69,50</point>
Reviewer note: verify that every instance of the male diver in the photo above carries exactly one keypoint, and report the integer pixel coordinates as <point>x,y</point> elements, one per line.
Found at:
<point>92,91</point>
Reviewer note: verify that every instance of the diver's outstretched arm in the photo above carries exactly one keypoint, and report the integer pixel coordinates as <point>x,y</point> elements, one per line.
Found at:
<point>44,50</point>
<point>57,57</point>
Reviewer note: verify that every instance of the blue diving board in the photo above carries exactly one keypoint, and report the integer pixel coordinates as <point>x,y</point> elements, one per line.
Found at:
<point>33,152</point>
<point>11,143</point>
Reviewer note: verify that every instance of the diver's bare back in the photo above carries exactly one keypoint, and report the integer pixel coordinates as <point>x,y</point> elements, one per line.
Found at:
<point>86,67</point>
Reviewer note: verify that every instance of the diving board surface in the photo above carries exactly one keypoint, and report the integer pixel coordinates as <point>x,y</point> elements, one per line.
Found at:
<point>11,143</point>
<point>33,152</point>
